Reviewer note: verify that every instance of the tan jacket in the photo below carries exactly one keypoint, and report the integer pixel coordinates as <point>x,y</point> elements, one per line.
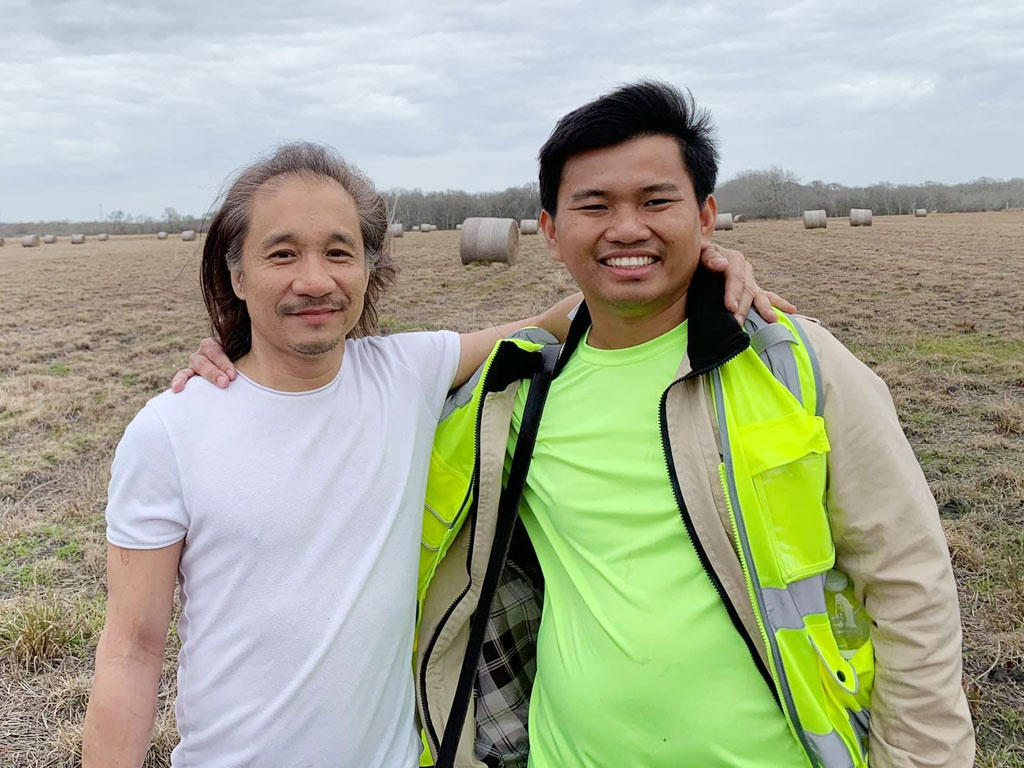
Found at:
<point>884,521</point>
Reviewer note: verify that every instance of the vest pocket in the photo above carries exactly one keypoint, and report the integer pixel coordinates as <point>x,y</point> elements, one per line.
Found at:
<point>787,461</point>
<point>445,491</point>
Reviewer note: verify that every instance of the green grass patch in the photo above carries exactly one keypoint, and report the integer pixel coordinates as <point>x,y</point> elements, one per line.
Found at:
<point>72,551</point>
<point>58,369</point>
<point>37,630</point>
<point>981,352</point>
<point>34,574</point>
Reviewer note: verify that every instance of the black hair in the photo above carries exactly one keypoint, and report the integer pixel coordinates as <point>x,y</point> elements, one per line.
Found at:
<point>645,108</point>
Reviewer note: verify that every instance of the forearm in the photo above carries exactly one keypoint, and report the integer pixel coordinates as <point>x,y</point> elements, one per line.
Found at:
<point>555,320</point>
<point>477,345</point>
<point>119,721</point>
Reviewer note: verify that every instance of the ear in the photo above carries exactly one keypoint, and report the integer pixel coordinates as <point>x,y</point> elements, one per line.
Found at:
<point>708,216</point>
<point>547,226</point>
<point>237,283</point>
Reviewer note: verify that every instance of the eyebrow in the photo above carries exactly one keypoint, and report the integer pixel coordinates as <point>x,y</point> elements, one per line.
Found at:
<point>584,194</point>
<point>288,237</point>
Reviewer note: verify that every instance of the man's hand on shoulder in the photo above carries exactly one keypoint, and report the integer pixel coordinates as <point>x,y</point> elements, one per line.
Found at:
<point>210,362</point>
<point>741,290</point>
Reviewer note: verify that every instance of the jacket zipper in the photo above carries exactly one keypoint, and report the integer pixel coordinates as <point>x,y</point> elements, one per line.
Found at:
<point>473,483</point>
<point>702,555</point>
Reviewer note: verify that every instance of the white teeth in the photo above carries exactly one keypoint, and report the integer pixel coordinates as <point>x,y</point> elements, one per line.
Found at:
<point>629,261</point>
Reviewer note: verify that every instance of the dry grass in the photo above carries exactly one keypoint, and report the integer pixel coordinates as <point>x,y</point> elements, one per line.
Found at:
<point>90,332</point>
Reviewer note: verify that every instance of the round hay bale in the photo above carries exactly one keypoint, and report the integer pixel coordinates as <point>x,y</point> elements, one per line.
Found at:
<point>426,228</point>
<point>724,221</point>
<point>458,226</point>
<point>396,229</point>
<point>161,235</point>
<point>188,235</point>
<point>49,239</point>
<point>738,218</point>
<point>103,237</point>
<point>921,212</point>
<point>77,239</point>
<point>30,241</point>
<point>487,239</point>
<point>529,227</point>
<point>860,217</point>
<point>815,219</point>
<point>415,227</point>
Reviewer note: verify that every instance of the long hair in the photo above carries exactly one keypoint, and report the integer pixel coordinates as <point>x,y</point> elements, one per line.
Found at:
<point>646,108</point>
<point>222,252</point>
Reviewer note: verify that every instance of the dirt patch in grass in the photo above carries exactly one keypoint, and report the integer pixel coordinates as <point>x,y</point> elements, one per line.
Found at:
<point>89,333</point>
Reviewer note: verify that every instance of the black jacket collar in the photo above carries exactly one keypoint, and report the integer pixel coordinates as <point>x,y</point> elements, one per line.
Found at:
<point>713,338</point>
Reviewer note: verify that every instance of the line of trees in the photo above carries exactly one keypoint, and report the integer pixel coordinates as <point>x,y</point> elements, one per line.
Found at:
<point>776,193</point>
<point>116,223</point>
<point>772,193</point>
<point>446,209</point>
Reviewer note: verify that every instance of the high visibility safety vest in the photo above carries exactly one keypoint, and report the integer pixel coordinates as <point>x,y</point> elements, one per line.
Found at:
<point>773,474</point>
<point>767,402</point>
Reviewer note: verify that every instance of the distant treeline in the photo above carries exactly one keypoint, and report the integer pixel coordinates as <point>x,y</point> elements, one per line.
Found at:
<point>774,193</point>
<point>446,209</point>
<point>117,223</point>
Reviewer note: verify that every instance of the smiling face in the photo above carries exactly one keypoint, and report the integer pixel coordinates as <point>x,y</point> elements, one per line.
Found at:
<point>630,231</point>
<point>303,277</point>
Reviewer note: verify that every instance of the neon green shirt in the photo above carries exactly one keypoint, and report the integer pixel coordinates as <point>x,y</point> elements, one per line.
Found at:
<point>638,662</point>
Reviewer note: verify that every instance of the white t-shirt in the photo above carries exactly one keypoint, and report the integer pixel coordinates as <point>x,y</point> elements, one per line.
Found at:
<point>301,515</point>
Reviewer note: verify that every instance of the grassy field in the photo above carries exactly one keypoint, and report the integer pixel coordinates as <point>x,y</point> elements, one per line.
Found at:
<point>90,332</point>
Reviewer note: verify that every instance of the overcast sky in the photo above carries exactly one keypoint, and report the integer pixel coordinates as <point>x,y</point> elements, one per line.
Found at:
<point>140,105</point>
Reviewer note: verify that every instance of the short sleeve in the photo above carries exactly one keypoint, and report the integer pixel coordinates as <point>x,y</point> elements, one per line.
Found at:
<point>145,507</point>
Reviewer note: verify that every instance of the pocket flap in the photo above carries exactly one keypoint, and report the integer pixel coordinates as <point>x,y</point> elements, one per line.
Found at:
<point>775,443</point>
<point>836,667</point>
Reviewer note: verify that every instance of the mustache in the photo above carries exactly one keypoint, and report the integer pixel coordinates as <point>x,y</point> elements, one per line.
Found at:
<point>327,302</point>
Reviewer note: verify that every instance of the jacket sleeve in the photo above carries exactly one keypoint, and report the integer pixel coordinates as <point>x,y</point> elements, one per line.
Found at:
<point>890,541</point>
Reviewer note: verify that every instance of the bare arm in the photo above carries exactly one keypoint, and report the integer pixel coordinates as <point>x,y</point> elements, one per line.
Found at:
<point>475,346</point>
<point>119,721</point>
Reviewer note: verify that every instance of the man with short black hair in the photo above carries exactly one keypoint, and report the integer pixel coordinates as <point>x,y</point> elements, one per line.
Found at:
<point>692,491</point>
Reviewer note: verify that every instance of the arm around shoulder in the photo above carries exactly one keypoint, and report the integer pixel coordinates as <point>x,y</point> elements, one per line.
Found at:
<point>889,540</point>
<point>477,345</point>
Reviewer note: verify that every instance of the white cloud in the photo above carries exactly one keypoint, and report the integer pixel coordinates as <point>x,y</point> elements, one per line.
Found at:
<point>146,104</point>
<point>885,91</point>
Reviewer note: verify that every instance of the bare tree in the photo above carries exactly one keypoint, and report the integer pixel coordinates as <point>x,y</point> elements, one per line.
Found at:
<point>117,219</point>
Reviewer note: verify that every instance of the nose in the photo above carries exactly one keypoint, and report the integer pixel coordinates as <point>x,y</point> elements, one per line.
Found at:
<point>627,226</point>
<point>313,278</point>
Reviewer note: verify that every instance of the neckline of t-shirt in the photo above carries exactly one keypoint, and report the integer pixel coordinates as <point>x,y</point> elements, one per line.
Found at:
<point>304,393</point>
<point>674,338</point>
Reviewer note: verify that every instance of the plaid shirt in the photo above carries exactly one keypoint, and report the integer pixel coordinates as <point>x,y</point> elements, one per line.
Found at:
<point>508,663</point>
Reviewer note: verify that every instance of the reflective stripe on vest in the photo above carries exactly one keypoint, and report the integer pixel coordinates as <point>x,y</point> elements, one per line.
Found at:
<point>773,475</point>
